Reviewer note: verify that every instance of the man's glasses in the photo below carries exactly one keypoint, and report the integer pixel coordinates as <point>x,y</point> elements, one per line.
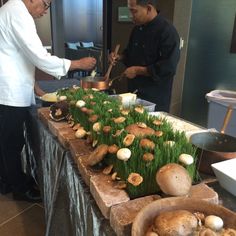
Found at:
<point>46,4</point>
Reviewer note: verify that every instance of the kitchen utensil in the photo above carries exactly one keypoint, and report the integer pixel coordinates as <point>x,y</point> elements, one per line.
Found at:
<point>99,82</point>
<point>214,147</point>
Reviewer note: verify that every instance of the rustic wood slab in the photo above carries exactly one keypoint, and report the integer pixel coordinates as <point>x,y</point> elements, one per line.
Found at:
<point>122,215</point>
<point>105,195</point>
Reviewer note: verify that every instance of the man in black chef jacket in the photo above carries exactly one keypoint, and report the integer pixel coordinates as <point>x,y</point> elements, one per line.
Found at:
<point>152,54</point>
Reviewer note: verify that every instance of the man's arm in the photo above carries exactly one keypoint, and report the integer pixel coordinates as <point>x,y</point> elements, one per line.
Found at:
<point>37,90</point>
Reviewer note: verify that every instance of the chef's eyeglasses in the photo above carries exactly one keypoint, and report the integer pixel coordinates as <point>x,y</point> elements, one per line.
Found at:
<point>46,4</point>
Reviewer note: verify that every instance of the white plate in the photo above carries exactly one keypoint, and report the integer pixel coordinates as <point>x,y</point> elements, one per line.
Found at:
<point>225,172</point>
<point>49,97</point>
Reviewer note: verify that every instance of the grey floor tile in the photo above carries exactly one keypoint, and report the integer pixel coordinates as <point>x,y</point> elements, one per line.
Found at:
<point>29,223</point>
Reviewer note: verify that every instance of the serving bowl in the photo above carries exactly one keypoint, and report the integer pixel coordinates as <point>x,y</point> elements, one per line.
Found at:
<point>225,172</point>
<point>146,216</point>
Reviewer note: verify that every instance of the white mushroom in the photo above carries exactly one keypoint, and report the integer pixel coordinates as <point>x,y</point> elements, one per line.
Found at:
<point>123,154</point>
<point>97,126</point>
<point>186,159</point>
<point>80,103</point>
<point>62,98</point>
<point>214,222</point>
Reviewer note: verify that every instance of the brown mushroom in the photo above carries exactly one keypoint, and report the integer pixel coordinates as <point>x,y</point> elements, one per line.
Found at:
<point>175,223</point>
<point>119,120</point>
<point>106,129</point>
<point>139,109</point>
<point>229,232</point>
<point>128,140</point>
<point>77,126</point>
<point>107,170</point>
<point>93,118</point>
<point>174,179</point>
<point>141,125</point>
<point>207,232</point>
<point>148,157</point>
<point>118,133</point>
<point>113,149</point>
<point>157,122</point>
<point>135,179</point>
<point>159,133</point>
<point>138,131</point>
<point>97,155</point>
<point>147,143</point>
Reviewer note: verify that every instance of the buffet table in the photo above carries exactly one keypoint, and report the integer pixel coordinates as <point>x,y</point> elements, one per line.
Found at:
<point>69,206</point>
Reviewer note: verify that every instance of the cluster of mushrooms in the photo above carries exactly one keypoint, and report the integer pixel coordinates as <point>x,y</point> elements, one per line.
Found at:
<point>142,153</point>
<point>185,223</point>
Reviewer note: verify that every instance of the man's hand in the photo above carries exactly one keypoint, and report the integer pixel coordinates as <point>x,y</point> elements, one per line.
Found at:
<point>133,71</point>
<point>86,63</point>
<point>130,72</point>
<point>113,59</point>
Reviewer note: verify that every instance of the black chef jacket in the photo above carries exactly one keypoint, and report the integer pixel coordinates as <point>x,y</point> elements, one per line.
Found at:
<point>156,46</point>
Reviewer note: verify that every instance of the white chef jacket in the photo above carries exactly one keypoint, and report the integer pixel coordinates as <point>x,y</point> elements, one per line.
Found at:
<point>20,51</point>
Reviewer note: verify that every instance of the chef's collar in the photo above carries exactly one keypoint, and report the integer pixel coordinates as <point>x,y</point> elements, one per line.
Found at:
<point>150,23</point>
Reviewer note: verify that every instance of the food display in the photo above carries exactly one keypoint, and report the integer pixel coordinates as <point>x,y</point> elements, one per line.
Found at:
<point>129,144</point>
<point>185,223</point>
<point>184,217</point>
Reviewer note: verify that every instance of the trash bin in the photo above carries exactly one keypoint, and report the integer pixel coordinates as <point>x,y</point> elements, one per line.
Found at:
<point>220,102</point>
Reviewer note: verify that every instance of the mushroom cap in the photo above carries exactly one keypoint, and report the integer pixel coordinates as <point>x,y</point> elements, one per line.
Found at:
<point>175,223</point>
<point>59,110</point>
<point>214,222</point>
<point>138,131</point>
<point>174,179</point>
<point>123,154</point>
<point>97,155</point>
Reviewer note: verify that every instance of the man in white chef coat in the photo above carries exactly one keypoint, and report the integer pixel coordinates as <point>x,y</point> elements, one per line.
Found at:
<point>21,50</point>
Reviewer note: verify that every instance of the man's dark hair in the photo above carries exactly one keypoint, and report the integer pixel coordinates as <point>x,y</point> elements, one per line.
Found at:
<point>146,2</point>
